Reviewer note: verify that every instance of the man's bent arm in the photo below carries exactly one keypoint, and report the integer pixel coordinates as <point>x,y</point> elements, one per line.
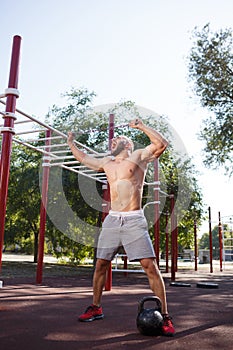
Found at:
<point>82,157</point>
<point>158,142</point>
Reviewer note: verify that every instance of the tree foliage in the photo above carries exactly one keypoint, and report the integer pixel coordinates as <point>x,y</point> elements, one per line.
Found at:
<point>204,242</point>
<point>211,71</point>
<point>22,216</point>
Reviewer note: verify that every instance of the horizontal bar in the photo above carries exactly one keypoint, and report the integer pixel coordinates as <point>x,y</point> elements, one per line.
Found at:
<point>48,127</point>
<point>59,163</point>
<point>56,145</point>
<point>166,194</point>
<point>78,172</point>
<point>31,146</point>
<point>64,157</point>
<point>60,152</point>
<point>152,183</point>
<point>127,270</point>
<point>43,139</point>
<point>30,132</point>
<point>23,121</point>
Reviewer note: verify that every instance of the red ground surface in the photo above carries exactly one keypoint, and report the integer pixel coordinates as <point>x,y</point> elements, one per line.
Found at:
<point>45,317</point>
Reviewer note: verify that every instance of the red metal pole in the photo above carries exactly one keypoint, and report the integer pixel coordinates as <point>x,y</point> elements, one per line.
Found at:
<point>110,130</point>
<point>106,202</point>
<point>173,233</point>
<point>210,242</point>
<point>176,243</point>
<point>220,239</point>
<point>156,211</point>
<point>108,283</point>
<point>8,131</point>
<point>167,242</point>
<point>195,244</point>
<point>43,206</point>
<point>125,265</point>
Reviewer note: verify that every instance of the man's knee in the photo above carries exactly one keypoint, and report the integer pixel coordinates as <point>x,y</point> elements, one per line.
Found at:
<point>150,266</point>
<point>101,265</point>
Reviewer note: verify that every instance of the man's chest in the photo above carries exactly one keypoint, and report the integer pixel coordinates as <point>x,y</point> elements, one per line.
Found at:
<point>122,170</point>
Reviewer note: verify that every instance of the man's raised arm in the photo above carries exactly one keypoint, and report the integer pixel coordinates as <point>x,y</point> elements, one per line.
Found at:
<point>82,157</point>
<point>158,142</point>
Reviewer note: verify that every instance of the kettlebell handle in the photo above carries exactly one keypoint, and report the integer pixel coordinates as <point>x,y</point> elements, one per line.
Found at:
<point>151,298</point>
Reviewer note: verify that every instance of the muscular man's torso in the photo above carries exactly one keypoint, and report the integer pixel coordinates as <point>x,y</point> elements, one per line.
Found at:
<point>125,178</point>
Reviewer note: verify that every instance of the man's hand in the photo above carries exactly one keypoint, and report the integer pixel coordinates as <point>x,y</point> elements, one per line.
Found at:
<point>136,124</point>
<point>70,137</point>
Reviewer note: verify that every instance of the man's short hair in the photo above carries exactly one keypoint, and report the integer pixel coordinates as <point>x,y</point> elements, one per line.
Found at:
<point>129,141</point>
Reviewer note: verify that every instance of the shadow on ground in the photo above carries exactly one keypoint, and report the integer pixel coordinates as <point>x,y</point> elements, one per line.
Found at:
<point>45,317</point>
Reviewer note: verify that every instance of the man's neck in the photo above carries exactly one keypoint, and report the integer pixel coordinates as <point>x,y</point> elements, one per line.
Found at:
<point>122,155</point>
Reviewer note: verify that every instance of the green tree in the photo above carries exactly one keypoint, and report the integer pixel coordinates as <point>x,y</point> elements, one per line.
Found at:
<point>210,66</point>
<point>23,208</point>
<point>181,179</point>
<point>204,240</point>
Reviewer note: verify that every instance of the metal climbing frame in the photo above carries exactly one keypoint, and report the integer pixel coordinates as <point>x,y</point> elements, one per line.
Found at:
<point>52,144</point>
<point>58,153</point>
<point>30,132</point>
<point>24,129</point>
<point>27,131</point>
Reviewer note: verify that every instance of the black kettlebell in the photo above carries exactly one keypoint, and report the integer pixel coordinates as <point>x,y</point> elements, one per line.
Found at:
<point>149,321</point>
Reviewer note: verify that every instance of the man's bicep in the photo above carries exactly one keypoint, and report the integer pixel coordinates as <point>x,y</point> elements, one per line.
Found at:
<point>151,152</point>
<point>93,163</point>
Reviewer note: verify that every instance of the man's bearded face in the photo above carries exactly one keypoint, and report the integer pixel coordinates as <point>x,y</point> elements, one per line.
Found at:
<point>118,145</point>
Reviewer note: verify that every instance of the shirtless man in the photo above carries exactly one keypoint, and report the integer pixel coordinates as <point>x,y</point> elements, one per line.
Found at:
<point>125,225</point>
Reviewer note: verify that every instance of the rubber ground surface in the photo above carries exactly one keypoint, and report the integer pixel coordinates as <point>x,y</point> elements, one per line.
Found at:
<point>45,317</point>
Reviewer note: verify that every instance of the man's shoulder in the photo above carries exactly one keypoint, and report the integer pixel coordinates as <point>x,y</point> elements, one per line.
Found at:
<point>106,160</point>
<point>137,153</point>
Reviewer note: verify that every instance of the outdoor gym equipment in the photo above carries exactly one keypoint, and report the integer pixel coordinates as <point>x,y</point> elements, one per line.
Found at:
<point>55,151</point>
<point>149,320</point>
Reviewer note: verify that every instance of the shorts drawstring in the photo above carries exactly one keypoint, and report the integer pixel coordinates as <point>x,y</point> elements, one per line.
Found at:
<point>124,216</point>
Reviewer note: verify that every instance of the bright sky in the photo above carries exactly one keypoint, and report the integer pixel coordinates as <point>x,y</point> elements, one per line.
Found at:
<point>121,49</point>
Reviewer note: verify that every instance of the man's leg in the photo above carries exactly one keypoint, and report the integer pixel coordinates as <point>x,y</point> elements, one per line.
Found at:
<point>155,280</point>
<point>99,280</point>
<point>94,311</point>
<point>157,286</point>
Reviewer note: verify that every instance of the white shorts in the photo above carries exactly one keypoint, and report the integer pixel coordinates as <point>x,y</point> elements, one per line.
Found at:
<point>127,229</point>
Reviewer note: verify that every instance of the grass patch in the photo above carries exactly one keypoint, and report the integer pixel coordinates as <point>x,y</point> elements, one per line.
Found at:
<point>15,269</point>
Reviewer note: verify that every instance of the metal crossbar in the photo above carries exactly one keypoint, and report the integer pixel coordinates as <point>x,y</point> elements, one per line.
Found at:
<point>59,153</point>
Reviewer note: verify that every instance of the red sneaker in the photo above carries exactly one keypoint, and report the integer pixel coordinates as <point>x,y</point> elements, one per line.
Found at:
<point>167,327</point>
<point>92,313</point>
